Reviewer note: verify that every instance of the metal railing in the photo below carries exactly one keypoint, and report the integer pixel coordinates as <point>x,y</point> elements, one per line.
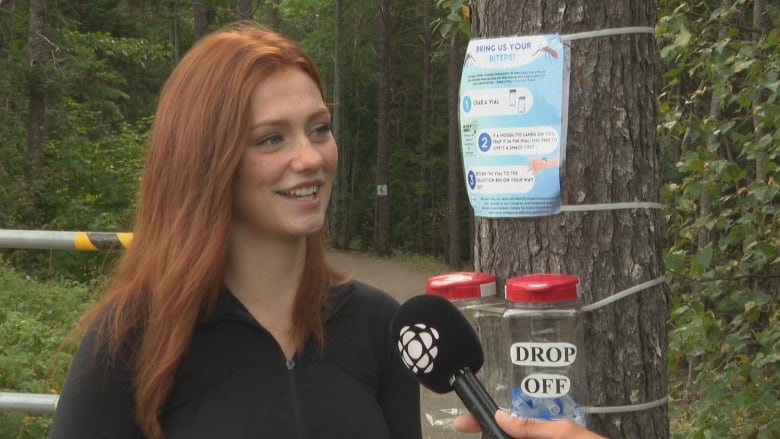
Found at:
<point>57,240</point>
<point>52,240</point>
<point>28,402</point>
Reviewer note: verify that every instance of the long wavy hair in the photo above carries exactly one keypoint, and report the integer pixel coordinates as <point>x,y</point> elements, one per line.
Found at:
<point>172,274</point>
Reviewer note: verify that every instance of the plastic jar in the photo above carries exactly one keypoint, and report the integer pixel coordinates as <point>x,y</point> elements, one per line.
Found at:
<point>544,326</point>
<point>467,291</point>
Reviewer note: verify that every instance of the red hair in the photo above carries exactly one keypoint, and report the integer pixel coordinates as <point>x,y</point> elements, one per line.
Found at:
<point>172,274</point>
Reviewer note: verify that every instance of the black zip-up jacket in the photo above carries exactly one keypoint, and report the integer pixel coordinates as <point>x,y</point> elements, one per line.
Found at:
<point>236,383</point>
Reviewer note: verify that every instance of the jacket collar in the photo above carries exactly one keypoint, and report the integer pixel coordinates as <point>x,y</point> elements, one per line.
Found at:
<point>229,307</point>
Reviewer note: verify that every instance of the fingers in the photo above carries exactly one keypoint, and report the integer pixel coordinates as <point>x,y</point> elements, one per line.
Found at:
<point>528,428</point>
<point>466,424</point>
<point>520,428</point>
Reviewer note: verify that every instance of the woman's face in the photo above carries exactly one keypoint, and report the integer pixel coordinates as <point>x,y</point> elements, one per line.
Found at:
<point>283,182</point>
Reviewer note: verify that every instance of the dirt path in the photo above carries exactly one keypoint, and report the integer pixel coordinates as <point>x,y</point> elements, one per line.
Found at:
<point>399,279</point>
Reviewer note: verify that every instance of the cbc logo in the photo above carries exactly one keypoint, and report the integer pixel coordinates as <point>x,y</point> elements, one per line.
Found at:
<point>417,344</point>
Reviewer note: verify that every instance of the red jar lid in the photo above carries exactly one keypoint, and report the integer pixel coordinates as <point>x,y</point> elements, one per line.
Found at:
<point>462,285</point>
<point>541,288</point>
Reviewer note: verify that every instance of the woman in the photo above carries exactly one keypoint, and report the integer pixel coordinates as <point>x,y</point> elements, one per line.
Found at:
<point>223,318</point>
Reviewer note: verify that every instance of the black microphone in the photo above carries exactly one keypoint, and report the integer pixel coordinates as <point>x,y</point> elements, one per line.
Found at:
<point>441,348</point>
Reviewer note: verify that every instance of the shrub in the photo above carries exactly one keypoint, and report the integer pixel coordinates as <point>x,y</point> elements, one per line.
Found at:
<point>35,348</point>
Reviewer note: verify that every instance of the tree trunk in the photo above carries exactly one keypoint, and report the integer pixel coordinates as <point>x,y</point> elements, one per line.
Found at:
<point>612,156</point>
<point>274,18</point>
<point>37,58</point>
<point>761,27</point>
<point>423,223</point>
<point>175,32</point>
<point>714,113</point>
<point>245,10</point>
<point>6,7</point>
<point>455,169</point>
<point>336,213</point>
<point>200,19</point>
<point>382,222</point>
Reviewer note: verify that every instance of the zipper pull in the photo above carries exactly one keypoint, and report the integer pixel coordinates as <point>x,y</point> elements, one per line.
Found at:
<point>290,364</point>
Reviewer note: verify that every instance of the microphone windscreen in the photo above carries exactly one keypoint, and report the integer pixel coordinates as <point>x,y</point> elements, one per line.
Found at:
<point>435,341</point>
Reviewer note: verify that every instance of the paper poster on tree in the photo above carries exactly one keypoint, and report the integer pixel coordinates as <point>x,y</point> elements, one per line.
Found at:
<point>511,95</point>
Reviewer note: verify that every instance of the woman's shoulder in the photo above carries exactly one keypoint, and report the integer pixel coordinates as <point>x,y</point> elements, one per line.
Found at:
<point>357,293</point>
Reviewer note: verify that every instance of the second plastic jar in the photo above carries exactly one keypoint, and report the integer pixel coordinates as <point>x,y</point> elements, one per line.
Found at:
<point>544,327</point>
<point>465,290</point>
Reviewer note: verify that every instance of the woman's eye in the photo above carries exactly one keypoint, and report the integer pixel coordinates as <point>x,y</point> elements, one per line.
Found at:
<point>272,139</point>
<point>321,131</point>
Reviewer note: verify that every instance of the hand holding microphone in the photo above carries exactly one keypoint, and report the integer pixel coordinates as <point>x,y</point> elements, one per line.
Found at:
<point>441,348</point>
<point>528,428</point>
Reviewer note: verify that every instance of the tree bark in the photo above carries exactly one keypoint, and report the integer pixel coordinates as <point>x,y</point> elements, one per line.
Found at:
<point>200,19</point>
<point>455,169</point>
<point>611,156</point>
<point>382,222</point>
<point>423,223</point>
<point>274,18</point>
<point>759,23</point>
<point>175,32</point>
<point>37,58</point>
<point>335,212</point>
<point>244,10</point>
<point>6,7</point>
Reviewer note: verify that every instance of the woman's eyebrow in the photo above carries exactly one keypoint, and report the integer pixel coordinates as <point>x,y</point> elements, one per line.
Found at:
<point>285,121</point>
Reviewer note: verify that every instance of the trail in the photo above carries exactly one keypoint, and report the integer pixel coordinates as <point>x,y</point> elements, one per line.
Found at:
<point>399,279</point>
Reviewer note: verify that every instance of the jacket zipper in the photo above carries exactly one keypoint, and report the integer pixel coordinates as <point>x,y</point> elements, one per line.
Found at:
<point>296,407</point>
<point>290,365</point>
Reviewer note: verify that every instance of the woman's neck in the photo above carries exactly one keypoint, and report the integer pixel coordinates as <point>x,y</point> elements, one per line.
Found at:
<point>265,269</point>
<point>264,275</point>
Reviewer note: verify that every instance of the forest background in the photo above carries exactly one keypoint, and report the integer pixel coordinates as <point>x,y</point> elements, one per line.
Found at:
<point>78,84</point>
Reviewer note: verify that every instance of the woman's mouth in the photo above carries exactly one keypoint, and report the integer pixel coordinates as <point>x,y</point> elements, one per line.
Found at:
<point>302,193</point>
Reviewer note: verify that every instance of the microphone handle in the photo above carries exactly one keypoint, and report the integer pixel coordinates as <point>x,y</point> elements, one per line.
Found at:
<point>479,402</point>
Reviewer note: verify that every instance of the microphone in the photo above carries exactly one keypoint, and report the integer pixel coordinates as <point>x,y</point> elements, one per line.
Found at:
<point>441,348</point>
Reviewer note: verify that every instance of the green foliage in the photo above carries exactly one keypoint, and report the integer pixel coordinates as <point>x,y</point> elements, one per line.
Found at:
<point>95,133</point>
<point>93,170</point>
<point>456,20</point>
<point>35,351</point>
<point>103,72</point>
<point>718,124</point>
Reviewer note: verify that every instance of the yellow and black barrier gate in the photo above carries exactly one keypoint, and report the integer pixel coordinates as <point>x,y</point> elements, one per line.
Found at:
<point>53,240</point>
<point>60,240</point>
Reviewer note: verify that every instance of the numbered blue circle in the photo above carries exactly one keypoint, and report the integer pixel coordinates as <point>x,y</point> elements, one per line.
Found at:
<point>472,179</point>
<point>466,104</point>
<point>484,141</point>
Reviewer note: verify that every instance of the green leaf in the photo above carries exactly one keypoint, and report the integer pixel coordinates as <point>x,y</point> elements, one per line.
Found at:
<point>767,247</point>
<point>704,256</point>
<point>445,29</point>
<point>675,261</point>
<point>683,38</point>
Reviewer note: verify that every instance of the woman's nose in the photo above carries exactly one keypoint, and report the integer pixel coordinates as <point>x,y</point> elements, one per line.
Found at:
<point>307,155</point>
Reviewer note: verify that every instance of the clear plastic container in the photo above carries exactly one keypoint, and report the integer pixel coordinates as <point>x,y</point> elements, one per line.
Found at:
<point>544,326</point>
<point>494,375</point>
<point>468,291</point>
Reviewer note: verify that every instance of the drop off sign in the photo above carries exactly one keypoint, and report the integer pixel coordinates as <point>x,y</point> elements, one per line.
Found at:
<point>544,355</point>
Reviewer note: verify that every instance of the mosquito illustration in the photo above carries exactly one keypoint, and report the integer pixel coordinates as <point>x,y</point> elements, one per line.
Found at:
<point>548,51</point>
